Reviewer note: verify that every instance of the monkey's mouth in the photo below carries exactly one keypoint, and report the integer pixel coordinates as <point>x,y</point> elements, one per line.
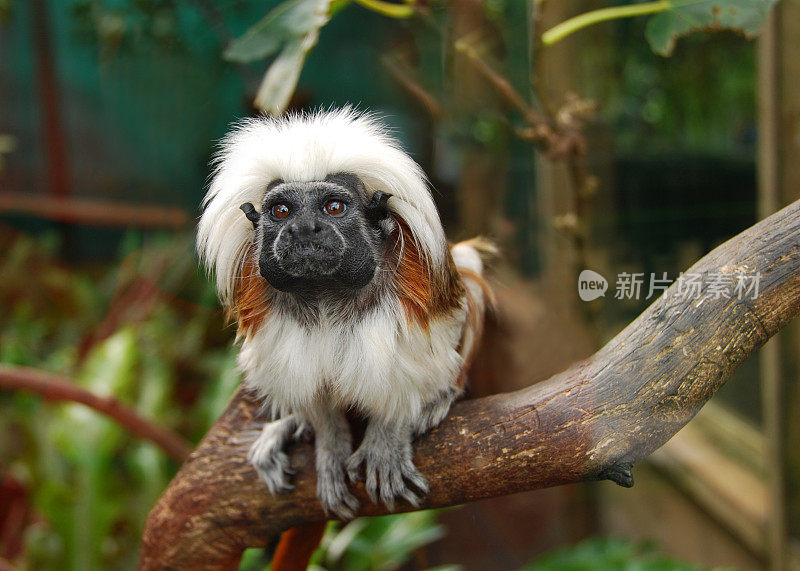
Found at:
<point>310,260</point>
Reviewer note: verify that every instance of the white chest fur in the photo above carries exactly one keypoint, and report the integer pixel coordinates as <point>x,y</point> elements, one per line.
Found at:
<point>380,365</point>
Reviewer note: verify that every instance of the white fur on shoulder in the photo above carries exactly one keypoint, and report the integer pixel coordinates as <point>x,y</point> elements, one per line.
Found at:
<point>308,147</point>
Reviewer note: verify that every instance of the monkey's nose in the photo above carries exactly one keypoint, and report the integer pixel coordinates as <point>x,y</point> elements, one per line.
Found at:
<point>304,228</point>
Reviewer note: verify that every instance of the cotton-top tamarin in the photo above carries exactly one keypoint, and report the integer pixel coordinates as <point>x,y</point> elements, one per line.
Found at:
<point>329,253</point>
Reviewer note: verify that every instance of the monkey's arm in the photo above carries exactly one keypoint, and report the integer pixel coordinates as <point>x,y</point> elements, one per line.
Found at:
<point>592,421</point>
<point>333,445</point>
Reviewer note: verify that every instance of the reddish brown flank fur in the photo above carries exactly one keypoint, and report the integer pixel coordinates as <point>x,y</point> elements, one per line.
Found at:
<point>424,292</point>
<point>250,298</point>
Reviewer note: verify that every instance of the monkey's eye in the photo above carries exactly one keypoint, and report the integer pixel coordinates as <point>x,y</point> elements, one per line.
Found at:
<point>335,207</point>
<point>280,211</point>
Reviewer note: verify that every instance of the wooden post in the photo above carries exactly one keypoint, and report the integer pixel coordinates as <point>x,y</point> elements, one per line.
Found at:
<point>778,154</point>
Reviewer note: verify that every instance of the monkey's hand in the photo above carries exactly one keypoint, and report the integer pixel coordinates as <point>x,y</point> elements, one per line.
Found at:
<point>333,445</point>
<point>387,457</point>
<point>267,455</point>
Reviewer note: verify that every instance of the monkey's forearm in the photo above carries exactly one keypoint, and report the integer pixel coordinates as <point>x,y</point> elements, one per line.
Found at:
<point>333,445</point>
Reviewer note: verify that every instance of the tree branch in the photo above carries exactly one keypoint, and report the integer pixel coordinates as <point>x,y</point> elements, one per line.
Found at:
<point>54,388</point>
<point>589,422</point>
<point>94,212</point>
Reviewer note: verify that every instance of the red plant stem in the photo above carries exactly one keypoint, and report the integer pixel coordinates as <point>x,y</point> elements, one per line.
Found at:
<point>54,388</point>
<point>52,124</point>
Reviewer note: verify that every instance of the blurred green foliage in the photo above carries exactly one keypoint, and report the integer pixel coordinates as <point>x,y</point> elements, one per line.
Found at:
<point>701,100</point>
<point>377,543</point>
<point>683,18</point>
<point>146,332</point>
<point>385,542</point>
<point>601,554</point>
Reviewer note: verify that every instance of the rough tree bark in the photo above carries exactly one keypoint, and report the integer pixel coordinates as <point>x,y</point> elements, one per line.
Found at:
<point>590,422</point>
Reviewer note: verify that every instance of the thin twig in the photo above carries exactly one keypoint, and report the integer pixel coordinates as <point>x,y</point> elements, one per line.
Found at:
<point>419,93</point>
<point>501,84</point>
<point>557,134</point>
<point>54,388</point>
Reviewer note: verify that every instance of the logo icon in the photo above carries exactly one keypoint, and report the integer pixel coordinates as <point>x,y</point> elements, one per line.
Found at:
<point>591,285</point>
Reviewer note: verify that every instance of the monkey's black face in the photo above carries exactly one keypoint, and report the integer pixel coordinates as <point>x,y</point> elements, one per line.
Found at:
<point>317,236</point>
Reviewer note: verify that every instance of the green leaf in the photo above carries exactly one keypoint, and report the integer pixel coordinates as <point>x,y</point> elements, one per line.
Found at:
<point>281,79</point>
<point>383,542</point>
<point>608,554</point>
<point>685,17</point>
<point>86,435</point>
<point>290,30</point>
<point>289,22</point>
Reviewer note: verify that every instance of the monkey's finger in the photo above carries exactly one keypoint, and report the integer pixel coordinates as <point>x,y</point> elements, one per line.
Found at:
<point>409,496</point>
<point>276,482</point>
<point>344,506</point>
<point>355,475</point>
<point>351,502</point>
<point>401,490</point>
<point>371,484</point>
<point>387,474</point>
<point>273,486</point>
<point>353,466</point>
<point>413,475</point>
<point>342,512</point>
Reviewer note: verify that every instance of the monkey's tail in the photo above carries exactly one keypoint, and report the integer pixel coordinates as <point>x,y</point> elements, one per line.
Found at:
<point>296,546</point>
<point>471,257</point>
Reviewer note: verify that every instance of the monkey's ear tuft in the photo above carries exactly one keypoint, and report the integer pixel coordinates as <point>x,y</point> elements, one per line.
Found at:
<point>251,213</point>
<point>377,208</point>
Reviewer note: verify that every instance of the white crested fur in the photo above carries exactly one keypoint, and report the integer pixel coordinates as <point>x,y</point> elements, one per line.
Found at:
<point>308,147</point>
<point>381,365</point>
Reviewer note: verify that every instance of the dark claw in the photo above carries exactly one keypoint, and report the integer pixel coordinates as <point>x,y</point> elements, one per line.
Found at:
<point>251,213</point>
